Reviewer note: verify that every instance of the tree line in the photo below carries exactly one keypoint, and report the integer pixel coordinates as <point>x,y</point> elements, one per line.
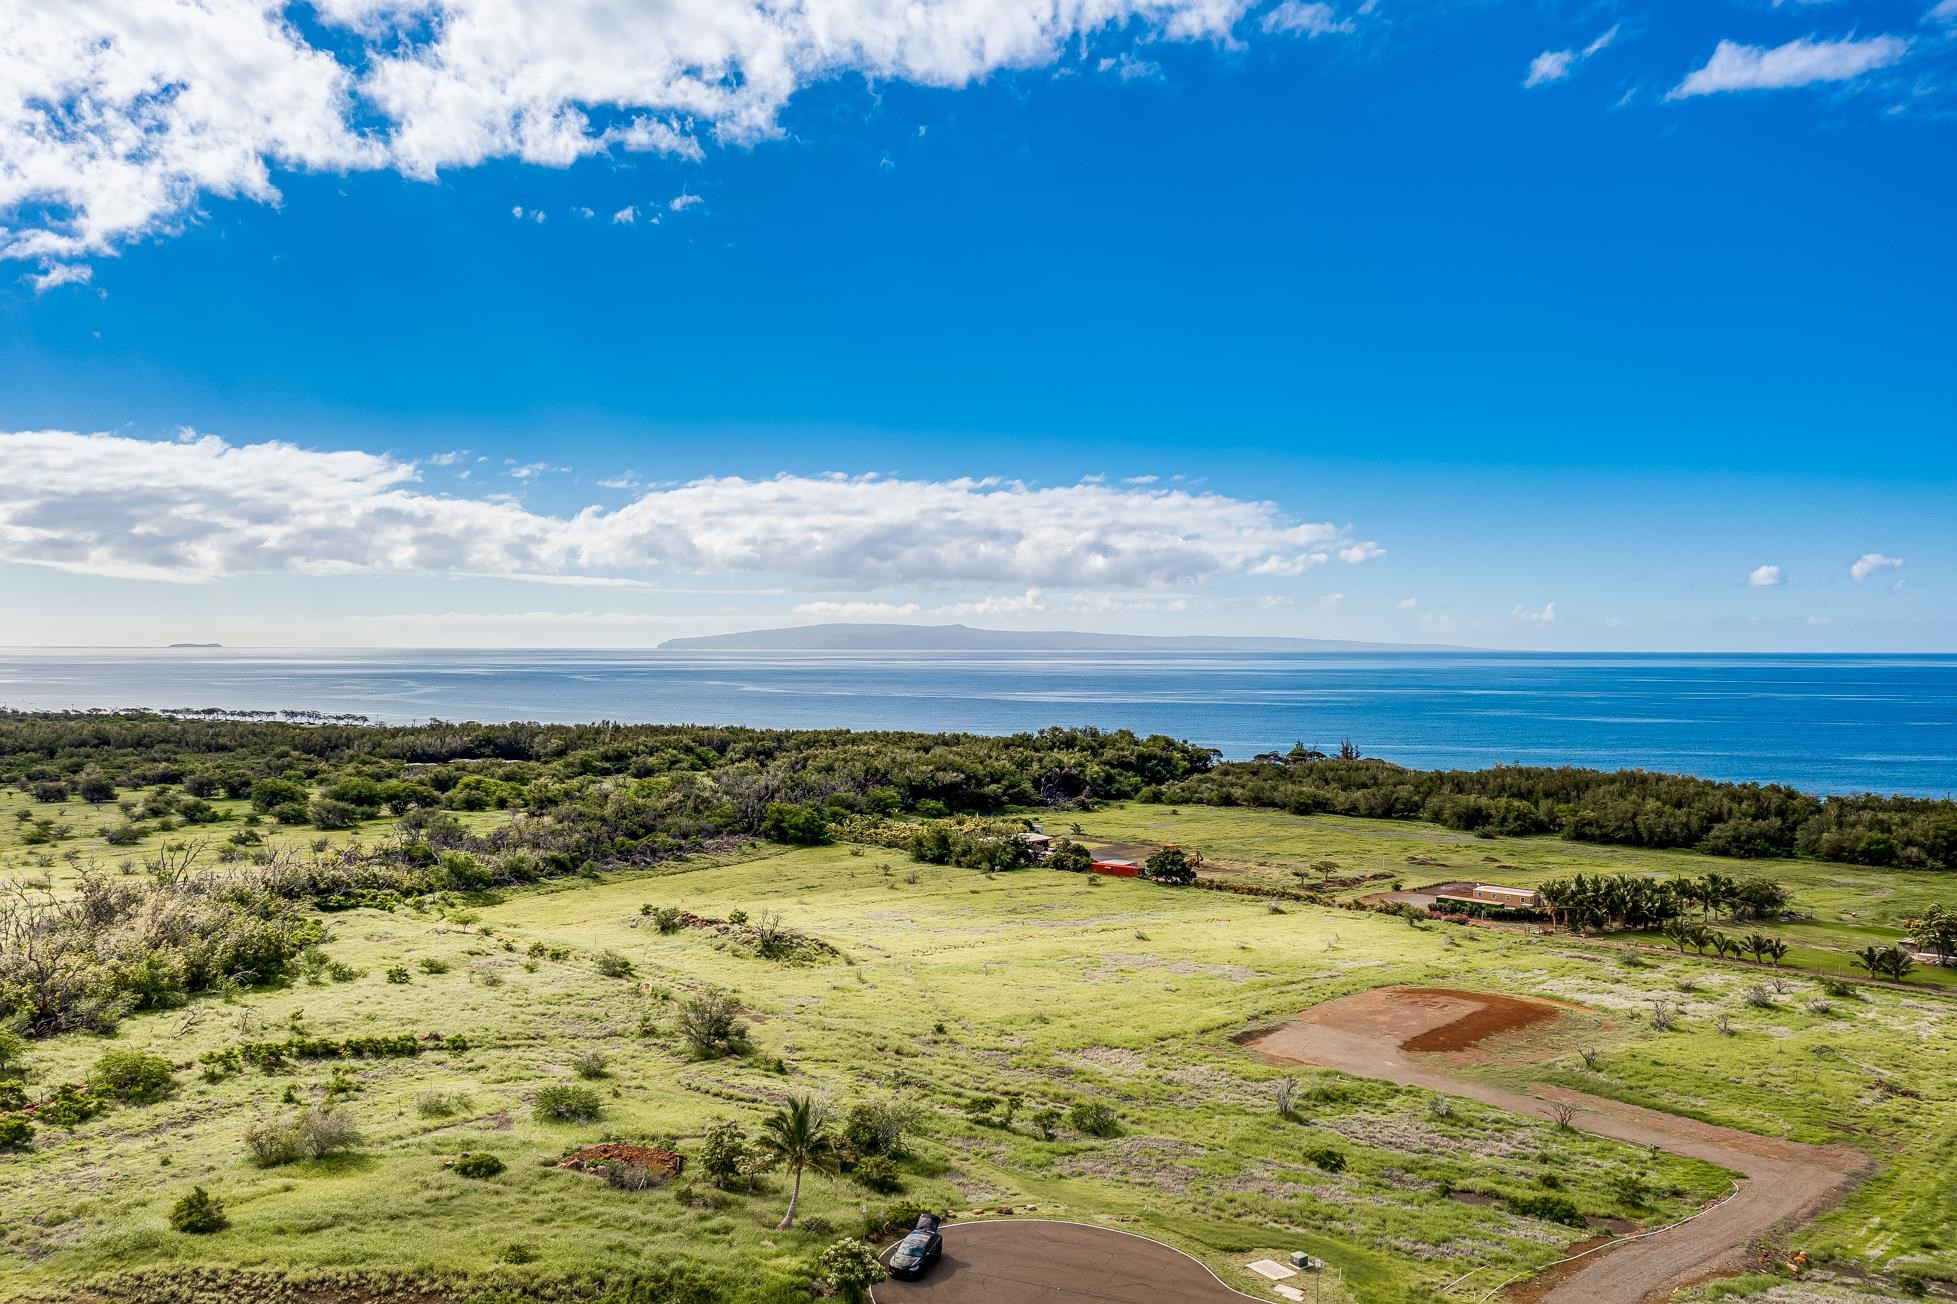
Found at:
<point>1634,808</point>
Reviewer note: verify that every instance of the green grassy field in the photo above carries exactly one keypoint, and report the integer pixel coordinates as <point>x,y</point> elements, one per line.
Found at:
<point>1848,907</point>
<point>1052,988</point>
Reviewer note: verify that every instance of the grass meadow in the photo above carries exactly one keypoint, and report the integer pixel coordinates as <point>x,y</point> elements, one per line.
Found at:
<point>952,986</point>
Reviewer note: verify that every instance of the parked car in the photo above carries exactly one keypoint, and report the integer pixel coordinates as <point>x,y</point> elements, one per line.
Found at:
<point>919,1250</point>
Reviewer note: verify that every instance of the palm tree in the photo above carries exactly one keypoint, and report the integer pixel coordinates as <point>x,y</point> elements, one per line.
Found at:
<point>1777,949</point>
<point>797,1135</point>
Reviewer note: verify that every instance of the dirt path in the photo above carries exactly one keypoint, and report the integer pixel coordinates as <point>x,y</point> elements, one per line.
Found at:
<point>1783,1181</point>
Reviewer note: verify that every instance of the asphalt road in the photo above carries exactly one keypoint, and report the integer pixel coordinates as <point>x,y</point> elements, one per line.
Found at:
<point>1026,1261</point>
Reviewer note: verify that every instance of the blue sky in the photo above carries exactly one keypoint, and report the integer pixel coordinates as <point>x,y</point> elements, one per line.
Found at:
<point>1522,325</point>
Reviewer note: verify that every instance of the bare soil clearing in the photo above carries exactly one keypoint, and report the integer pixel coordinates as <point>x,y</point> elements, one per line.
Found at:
<point>1413,1036</point>
<point>1027,1261</point>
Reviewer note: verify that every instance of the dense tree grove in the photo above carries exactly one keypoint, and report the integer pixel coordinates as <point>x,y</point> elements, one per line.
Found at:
<point>1627,807</point>
<point>284,766</point>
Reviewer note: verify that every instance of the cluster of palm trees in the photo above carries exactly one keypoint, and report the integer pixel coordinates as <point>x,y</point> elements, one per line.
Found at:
<point>1614,902</point>
<point>1702,939</point>
<point>1886,962</point>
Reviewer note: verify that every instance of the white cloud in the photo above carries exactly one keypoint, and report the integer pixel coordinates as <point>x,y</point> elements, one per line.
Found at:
<point>1550,66</point>
<point>1272,600</point>
<point>1359,552</point>
<point>626,215</point>
<point>1407,604</point>
<point>1032,602</point>
<point>1763,577</point>
<point>1305,18</point>
<point>681,202</point>
<point>199,508</point>
<point>1296,564</point>
<point>1127,67</point>
<point>1331,599</point>
<point>1547,616</point>
<point>1736,67</point>
<point>62,274</point>
<point>122,116</point>
<point>1557,65</point>
<point>1945,12</point>
<point>1871,562</point>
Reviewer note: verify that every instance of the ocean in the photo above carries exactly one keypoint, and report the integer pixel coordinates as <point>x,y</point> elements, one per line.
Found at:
<point>1822,723</point>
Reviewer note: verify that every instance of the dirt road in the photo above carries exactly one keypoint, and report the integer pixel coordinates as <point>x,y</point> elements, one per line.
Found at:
<point>1782,1181</point>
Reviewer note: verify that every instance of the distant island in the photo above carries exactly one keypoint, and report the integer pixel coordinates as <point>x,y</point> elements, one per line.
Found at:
<point>846,637</point>
<point>196,645</point>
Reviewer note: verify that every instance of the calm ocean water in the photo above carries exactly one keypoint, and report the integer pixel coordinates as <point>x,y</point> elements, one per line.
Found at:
<point>1824,723</point>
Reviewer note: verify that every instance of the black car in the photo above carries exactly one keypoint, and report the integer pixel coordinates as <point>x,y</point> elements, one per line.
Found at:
<point>916,1252</point>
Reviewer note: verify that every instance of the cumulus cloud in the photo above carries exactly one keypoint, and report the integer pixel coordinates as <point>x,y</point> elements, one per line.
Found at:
<point>119,117</point>
<point>1557,65</point>
<point>1871,562</point>
<point>1359,552</point>
<point>199,508</point>
<point>1806,62</point>
<point>1547,616</point>
<point>1763,577</point>
<point>625,216</point>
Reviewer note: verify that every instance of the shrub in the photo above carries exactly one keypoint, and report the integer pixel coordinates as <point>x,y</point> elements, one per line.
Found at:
<point>632,1177</point>
<point>710,1023</point>
<point>592,1064</point>
<point>12,1047</point>
<point>478,1165</point>
<point>1548,1206</point>
<point>397,973</point>
<point>199,1213</point>
<point>878,1173</point>
<point>1327,1158</point>
<point>322,1132</point>
<point>850,1266</point>
<point>70,1105</point>
<point>1094,1119</point>
<point>560,1103</point>
<point>430,965</point>
<point>1172,865</point>
<point>670,919</point>
<point>723,1151</point>
<point>132,1077</point>
<point>272,1143</point>
<point>613,965</point>
<point>441,1104</point>
<point>16,1132</point>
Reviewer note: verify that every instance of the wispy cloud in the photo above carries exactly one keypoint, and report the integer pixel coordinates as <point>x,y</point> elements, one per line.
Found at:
<point>1736,67</point>
<point>1763,577</point>
<point>1545,616</point>
<point>1558,65</point>
<point>1331,600</point>
<point>1305,18</point>
<point>60,274</point>
<point>1871,562</point>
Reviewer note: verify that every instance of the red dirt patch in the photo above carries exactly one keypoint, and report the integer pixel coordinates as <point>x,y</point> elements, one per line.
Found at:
<point>1493,1014</point>
<point>650,1158</point>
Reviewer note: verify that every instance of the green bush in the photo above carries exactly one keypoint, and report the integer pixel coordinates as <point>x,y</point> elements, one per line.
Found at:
<point>1548,1206</point>
<point>613,965</point>
<point>132,1077</point>
<point>559,1103</point>
<point>878,1173</point>
<point>1094,1119</point>
<point>851,1267</point>
<point>592,1064</point>
<point>478,1165</point>
<point>1327,1158</point>
<point>16,1132</point>
<point>70,1105</point>
<point>199,1213</point>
